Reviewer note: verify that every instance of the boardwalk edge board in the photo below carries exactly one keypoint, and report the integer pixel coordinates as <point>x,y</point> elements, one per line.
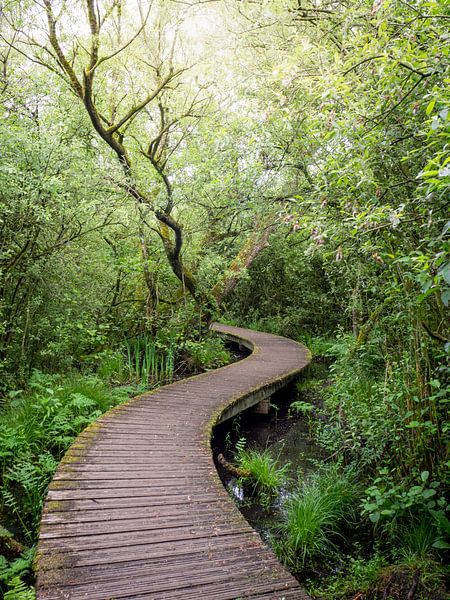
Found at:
<point>151,453</point>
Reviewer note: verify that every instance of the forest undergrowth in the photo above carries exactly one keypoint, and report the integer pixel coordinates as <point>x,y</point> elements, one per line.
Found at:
<point>370,521</point>
<point>377,428</point>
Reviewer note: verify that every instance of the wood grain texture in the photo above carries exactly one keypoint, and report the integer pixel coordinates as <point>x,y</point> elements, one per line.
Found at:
<point>136,509</point>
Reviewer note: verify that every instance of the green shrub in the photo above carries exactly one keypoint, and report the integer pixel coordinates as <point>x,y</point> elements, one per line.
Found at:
<point>393,506</point>
<point>98,395</point>
<point>319,346</point>
<point>209,353</point>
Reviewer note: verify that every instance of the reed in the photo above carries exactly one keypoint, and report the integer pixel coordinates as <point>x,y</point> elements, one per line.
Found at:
<point>148,362</point>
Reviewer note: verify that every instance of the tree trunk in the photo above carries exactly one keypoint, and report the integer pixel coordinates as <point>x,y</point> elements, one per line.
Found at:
<point>257,242</point>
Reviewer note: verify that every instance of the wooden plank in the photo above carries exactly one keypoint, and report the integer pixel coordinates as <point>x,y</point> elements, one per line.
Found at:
<point>65,560</point>
<point>166,510</point>
<point>136,510</point>
<point>168,580</point>
<point>146,536</point>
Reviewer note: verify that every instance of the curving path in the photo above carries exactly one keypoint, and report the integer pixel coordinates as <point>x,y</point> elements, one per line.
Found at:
<point>136,509</point>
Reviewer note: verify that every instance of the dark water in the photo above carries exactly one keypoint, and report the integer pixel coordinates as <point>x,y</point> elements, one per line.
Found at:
<point>285,435</point>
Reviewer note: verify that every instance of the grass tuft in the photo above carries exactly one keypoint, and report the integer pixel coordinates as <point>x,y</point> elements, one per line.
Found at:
<point>315,515</point>
<point>264,474</point>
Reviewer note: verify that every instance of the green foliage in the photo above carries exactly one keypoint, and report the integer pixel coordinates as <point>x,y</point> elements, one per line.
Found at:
<point>301,406</point>
<point>18,590</point>
<point>12,573</point>
<point>209,353</point>
<point>384,410</point>
<point>319,347</point>
<point>315,515</point>
<point>36,429</point>
<point>112,367</point>
<point>54,270</point>
<point>361,576</point>
<point>148,361</point>
<point>388,501</point>
<point>416,539</point>
<point>269,299</point>
<point>262,471</point>
<point>24,486</point>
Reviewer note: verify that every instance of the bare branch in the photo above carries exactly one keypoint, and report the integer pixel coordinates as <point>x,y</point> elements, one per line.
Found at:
<point>103,59</point>
<point>361,62</point>
<point>144,102</point>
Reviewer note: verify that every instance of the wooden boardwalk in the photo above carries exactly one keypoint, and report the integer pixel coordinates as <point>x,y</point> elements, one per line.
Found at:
<point>136,509</point>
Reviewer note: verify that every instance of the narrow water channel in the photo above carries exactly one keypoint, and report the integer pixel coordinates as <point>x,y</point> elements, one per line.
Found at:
<point>284,433</point>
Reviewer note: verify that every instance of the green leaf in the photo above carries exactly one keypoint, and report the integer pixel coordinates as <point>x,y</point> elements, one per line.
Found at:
<point>430,107</point>
<point>428,493</point>
<point>444,272</point>
<point>441,520</point>
<point>441,545</point>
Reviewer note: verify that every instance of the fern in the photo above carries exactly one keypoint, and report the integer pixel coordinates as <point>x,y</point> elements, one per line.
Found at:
<point>9,499</point>
<point>240,445</point>
<point>24,486</point>
<point>80,402</point>
<point>17,568</point>
<point>18,590</point>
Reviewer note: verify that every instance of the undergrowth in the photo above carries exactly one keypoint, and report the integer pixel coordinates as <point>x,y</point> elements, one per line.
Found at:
<point>260,471</point>
<point>385,415</point>
<point>36,428</point>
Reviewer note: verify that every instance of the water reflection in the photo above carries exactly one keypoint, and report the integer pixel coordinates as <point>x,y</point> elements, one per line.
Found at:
<point>235,490</point>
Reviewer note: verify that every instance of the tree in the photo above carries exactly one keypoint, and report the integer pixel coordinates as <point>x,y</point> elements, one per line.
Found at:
<point>143,127</point>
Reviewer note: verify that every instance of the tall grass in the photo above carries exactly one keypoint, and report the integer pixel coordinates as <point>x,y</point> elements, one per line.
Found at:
<point>148,362</point>
<point>415,540</point>
<point>315,515</point>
